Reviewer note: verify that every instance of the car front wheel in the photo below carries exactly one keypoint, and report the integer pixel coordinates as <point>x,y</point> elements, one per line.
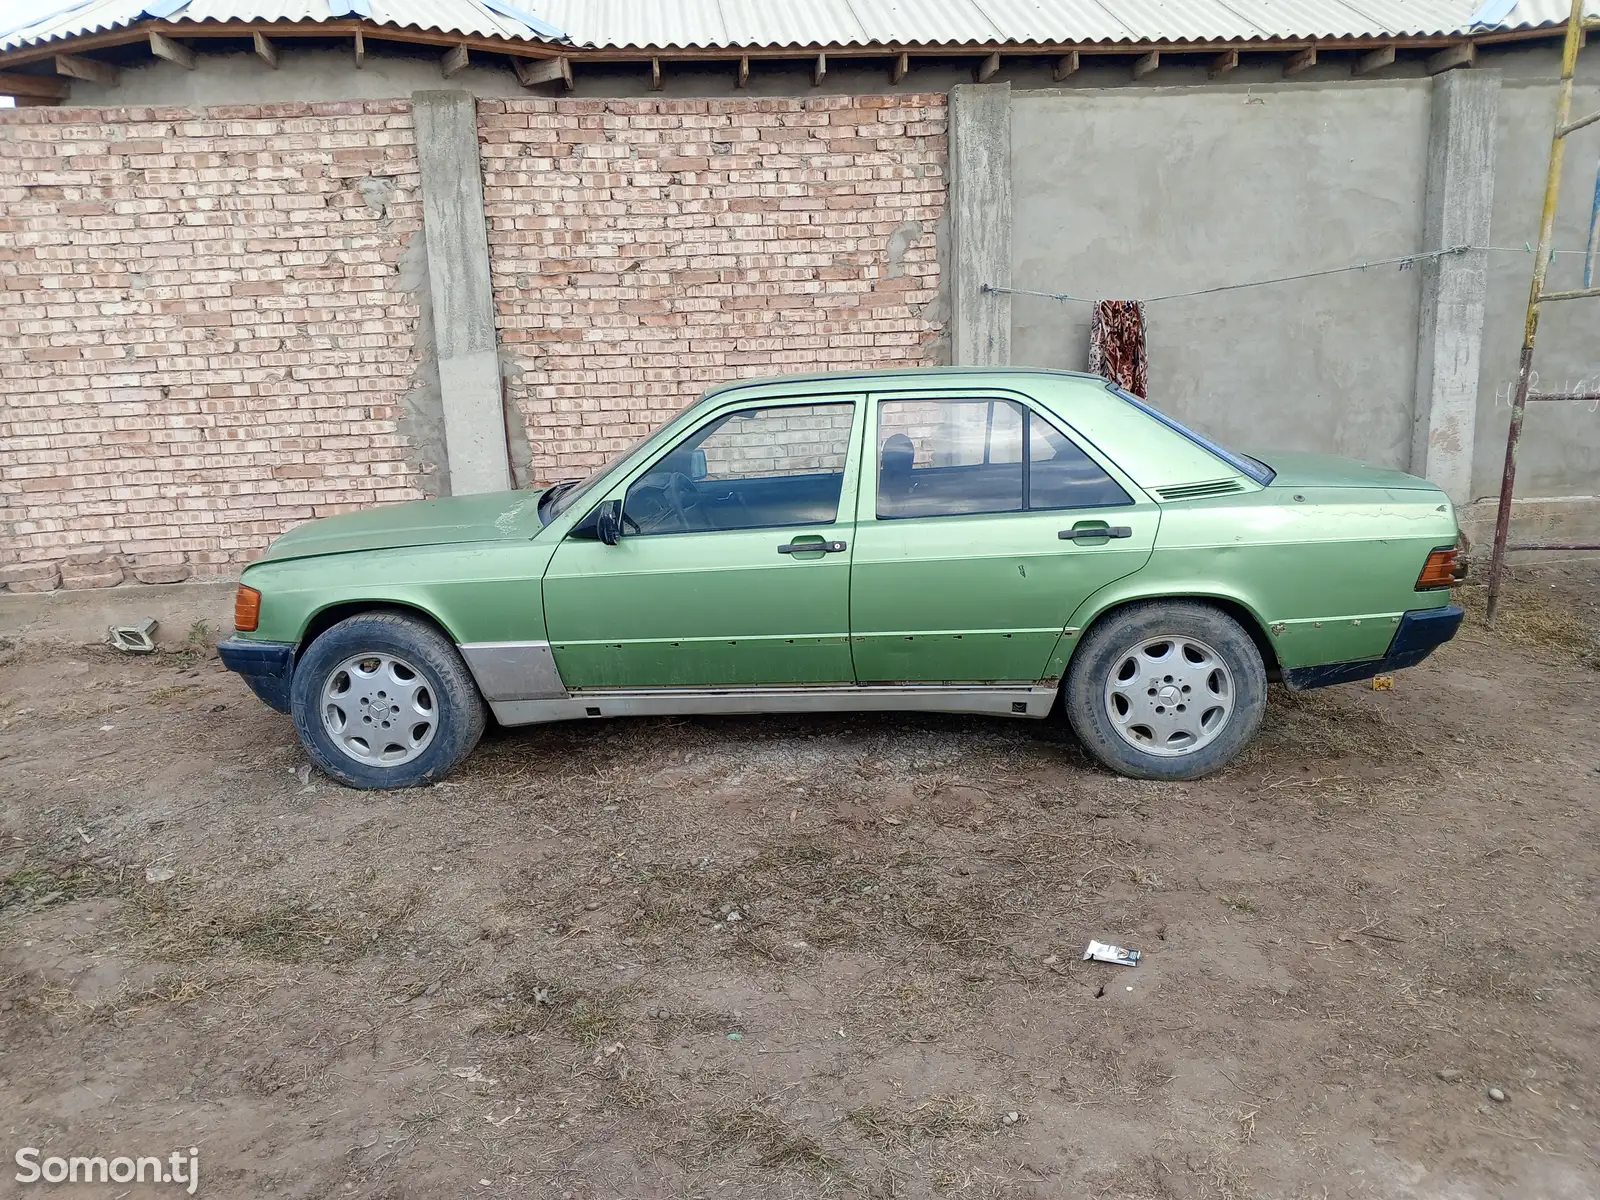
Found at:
<point>383,700</point>
<point>1166,690</point>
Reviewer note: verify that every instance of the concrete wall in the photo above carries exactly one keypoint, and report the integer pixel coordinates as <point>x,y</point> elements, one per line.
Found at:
<point>1560,453</point>
<point>1123,194</point>
<point>227,72</point>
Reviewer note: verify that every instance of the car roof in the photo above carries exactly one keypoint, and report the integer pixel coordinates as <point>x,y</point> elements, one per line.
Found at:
<point>900,376</point>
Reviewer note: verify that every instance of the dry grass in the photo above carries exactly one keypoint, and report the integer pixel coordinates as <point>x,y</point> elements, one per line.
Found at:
<point>533,1003</point>
<point>181,924</point>
<point>1535,617</point>
<point>758,1131</point>
<point>941,1117</point>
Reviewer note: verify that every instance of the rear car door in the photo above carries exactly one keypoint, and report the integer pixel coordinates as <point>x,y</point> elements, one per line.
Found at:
<point>733,568</point>
<point>982,523</point>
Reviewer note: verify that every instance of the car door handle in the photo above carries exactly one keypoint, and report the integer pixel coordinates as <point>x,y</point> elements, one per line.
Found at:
<point>1077,533</point>
<point>812,547</point>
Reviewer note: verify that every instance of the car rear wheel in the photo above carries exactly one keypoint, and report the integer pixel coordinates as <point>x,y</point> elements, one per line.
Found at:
<point>1166,690</point>
<point>383,700</point>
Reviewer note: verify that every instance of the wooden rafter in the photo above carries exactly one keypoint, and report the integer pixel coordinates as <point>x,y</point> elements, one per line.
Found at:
<point>39,87</point>
<point>743,76</point>
<point>901,67</point>
<point>988,68</point>
<point>1301,61</point>
<point>549,70</point>
<point>1463,55</point>
<point>454,61</point>
<point>89,69</point>
<point>1373,60</point>
<point>1146,64</point>
<point>1066,65</point>
<point>819,70</point>
<point>174,52</point>
<point>266,51</point>
<point>655,74</point>
<point>1223,63</point>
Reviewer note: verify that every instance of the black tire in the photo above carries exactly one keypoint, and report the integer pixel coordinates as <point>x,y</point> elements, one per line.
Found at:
<point>1108,646</point>
<point>457,709</point>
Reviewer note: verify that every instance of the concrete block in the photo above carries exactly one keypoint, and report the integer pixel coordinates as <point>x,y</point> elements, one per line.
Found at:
<point>103,574</point>
<point>34,577</point>
<point>166,573</point>
<point>980,223</point>
<point>460,290</point>
<point>1458,204</point>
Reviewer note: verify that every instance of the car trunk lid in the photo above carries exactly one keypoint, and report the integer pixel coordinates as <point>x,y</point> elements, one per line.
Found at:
<point>1299,470</point>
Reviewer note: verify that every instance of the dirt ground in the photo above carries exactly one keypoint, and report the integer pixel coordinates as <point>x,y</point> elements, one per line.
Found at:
<point>815,957</point>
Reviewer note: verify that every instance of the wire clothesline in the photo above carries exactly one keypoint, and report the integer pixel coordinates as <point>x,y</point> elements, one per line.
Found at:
<point>1403,261</point>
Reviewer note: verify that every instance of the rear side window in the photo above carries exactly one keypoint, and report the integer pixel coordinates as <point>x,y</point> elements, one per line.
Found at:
<point>942,458</point>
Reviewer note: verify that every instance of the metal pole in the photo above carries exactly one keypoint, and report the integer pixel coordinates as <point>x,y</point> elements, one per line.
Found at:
<point>1541,263</point>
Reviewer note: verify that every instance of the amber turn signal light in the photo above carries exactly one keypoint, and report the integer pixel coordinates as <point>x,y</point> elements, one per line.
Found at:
<point>247,609</point>
<point>1441,569</point>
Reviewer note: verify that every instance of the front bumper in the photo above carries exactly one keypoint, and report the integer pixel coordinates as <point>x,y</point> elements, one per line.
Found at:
<point>1421,631</point>
<point>266,666</point>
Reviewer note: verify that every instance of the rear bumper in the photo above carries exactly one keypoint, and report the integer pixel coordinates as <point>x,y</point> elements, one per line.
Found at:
<point>266,666</point>
<point>1420,633</point>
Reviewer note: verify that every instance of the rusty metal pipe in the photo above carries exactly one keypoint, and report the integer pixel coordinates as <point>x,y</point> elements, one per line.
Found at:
<point>1541,263</point>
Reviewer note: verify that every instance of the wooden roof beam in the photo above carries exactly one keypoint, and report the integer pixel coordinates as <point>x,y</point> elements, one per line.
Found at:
<point>1302,61</point>
<point>37,87</point>
<point>1222,64</point>
<point>1463,55</point>
<point>819,70</point>
<point>655,74</point>
<point>92,70</point>
<point>743,76</point>
<point>1147,64</point>
<point>988,68</point>
<point>1373,60</point>
<point>266,51</point>
<point>174,52</point>
<point>547,70</point>
<point>361,50</point>
<point>454,61</point>
<point>900,68</point>
<point>1066,65</point>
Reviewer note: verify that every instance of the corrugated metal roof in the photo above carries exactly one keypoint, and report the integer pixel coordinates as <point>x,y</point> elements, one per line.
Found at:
<point>727,24</point>
<point>469,17</point>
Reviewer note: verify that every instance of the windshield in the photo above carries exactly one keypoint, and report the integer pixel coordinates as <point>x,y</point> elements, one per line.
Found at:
<point>1242,463</point>
<point>564,495</point>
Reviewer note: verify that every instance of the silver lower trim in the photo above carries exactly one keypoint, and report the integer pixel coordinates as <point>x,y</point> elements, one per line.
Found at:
<point>1009,700</point>
<point>514,670</point>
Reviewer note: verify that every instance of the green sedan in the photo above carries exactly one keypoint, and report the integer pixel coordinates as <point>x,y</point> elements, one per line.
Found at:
<point>998,542</point>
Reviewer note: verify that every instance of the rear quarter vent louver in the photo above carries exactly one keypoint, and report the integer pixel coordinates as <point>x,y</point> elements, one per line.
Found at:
<point>1195,491</point>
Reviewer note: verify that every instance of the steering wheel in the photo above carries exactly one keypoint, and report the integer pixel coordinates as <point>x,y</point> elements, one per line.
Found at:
<point>684,497</point>
<point>672,505</point>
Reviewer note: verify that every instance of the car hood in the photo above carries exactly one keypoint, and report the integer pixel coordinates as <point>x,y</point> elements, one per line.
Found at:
<point>490,517</point>
<point>1329,470</point>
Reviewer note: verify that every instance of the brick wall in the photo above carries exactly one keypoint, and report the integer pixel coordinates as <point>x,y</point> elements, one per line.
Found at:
<point>644,250</point>
<point>201,338</point>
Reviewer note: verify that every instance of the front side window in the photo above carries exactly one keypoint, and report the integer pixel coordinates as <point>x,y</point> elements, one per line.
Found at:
<point>941,458</point>
<point>756,468</point>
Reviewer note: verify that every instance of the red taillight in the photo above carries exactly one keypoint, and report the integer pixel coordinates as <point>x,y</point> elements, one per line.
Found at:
<point>246,609</point>
<point>1441,569</point>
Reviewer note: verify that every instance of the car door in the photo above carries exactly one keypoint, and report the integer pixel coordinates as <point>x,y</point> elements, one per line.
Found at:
<point>733,568</point>
<point>982,523</point>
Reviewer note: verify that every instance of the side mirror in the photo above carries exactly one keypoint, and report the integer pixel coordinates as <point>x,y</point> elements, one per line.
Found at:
<point>697,466</point>
<point>608,522</point>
